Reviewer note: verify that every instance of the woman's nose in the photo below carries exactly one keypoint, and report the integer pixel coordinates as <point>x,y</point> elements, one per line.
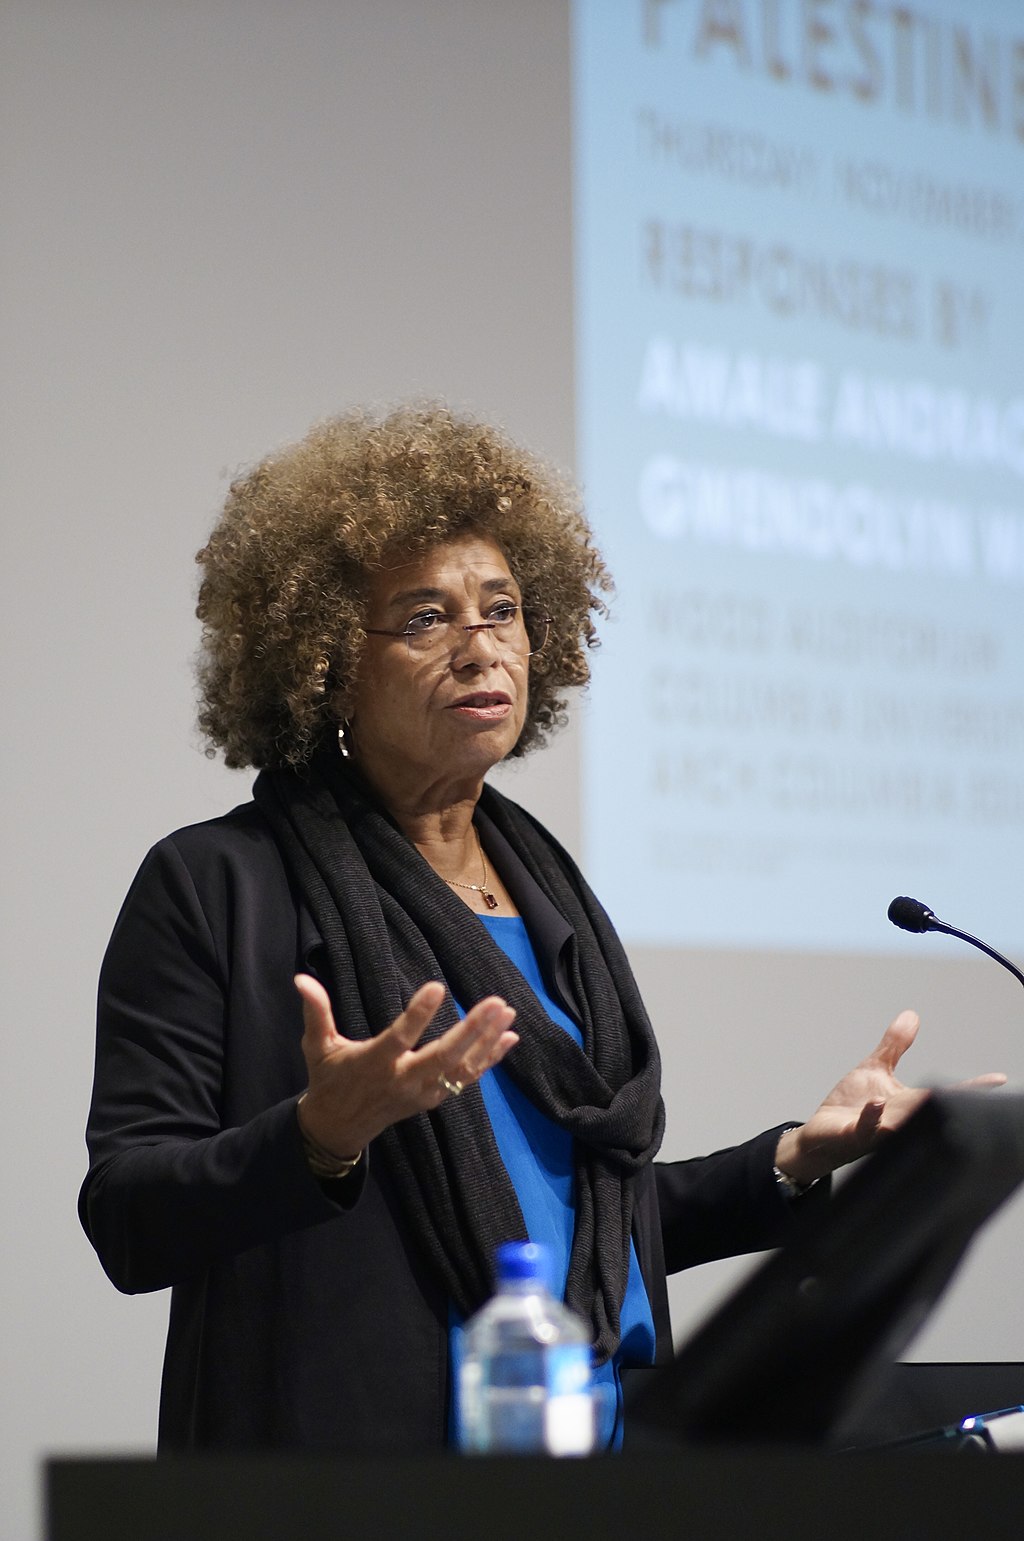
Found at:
<point>476,642</point>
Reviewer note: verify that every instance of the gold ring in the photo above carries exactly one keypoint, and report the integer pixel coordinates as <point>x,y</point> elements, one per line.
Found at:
<point>454,1088</point>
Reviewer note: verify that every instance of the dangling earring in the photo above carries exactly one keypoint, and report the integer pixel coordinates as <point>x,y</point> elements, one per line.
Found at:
<point>343,745</point>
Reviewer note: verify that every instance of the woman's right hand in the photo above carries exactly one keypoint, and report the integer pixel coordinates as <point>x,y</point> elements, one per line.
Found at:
<point>358,1088</point>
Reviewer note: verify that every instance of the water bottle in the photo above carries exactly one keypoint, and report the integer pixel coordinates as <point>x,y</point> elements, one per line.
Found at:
<point>525,1379</point>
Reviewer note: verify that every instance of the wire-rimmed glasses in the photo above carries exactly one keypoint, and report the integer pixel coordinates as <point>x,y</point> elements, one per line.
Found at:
<point>513,629</point>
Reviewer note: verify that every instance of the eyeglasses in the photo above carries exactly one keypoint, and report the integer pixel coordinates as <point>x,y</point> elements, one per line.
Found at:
<point>514,630</point>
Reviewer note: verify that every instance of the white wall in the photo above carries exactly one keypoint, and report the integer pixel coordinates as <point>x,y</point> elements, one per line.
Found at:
<point>225,218</point>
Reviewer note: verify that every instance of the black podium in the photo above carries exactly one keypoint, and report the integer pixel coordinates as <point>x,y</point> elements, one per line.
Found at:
<point>709,1495</point>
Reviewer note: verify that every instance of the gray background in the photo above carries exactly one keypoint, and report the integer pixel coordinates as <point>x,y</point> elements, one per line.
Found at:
<point>225,218</point>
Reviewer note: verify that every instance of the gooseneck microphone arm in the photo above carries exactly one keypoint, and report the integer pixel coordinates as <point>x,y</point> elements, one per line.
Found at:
<point>912,915</point>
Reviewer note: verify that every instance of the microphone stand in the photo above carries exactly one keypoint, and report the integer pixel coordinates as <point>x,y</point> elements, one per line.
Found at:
<point>930,922</point>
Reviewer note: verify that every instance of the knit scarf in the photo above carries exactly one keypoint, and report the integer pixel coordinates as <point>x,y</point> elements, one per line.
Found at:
<point>389,924</point>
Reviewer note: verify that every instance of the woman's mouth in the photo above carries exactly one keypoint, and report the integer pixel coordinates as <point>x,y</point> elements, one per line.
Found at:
<point>483,706</point>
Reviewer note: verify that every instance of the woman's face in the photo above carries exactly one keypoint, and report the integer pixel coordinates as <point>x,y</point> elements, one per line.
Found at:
<point>436,716</point>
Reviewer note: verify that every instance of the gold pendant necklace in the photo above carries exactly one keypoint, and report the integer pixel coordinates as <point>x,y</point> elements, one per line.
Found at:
<point>477,888</point>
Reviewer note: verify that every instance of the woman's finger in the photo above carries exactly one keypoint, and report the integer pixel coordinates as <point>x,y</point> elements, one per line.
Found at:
<point>319,1032</point>
<point>896,1040</point>
<point>469,1049</point>
<point>869,1120</point>
<point>407,1029</point>
<point>452,1080</point>
<point>482,1058</point>
<point>472,1041</point>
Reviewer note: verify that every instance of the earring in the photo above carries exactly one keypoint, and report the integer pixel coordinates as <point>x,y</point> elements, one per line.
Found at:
<point>343,745</point>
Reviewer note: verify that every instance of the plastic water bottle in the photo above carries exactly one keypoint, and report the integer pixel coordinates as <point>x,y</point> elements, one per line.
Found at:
<point>525,1379</point>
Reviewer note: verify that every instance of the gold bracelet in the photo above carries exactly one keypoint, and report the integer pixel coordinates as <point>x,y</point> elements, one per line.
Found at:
<point>323,1163</point>
<point>325,1172</point>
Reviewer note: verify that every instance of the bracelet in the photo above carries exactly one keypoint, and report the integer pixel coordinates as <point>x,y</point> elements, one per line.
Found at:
<point>789,1185</point>
<point>324,1171</point>
<point>323,1163</point>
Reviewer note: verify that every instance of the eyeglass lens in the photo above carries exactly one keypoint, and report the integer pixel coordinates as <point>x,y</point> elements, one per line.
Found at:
<point>521,633</point>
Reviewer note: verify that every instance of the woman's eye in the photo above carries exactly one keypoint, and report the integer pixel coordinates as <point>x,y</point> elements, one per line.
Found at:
<point>426,621</point>
<point>503,613</point>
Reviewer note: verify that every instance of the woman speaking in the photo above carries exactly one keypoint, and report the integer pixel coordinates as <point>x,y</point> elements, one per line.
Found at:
<point>364,1028</point>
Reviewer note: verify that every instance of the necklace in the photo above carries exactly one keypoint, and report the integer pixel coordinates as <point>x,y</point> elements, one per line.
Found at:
<point>477,888</point>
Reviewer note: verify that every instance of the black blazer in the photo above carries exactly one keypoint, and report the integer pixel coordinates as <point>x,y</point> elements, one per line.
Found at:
<point>301,1317</point>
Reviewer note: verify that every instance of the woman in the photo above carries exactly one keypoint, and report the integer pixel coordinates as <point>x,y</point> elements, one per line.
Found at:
<point>322,1171</point>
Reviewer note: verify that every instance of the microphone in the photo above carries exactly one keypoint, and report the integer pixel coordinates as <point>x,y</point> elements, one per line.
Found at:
<point>912,915</point>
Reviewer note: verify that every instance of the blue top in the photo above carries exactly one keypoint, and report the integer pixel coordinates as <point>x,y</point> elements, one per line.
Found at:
<point>538,1157</point>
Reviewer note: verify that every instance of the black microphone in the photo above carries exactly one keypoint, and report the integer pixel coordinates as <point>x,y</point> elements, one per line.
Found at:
<point>912,915</point>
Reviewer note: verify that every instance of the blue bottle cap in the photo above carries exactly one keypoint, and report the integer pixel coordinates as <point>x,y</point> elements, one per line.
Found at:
<point>524,1260</point>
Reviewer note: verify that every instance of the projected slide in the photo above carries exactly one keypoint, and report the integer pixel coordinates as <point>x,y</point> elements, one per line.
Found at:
<point>800,268</point>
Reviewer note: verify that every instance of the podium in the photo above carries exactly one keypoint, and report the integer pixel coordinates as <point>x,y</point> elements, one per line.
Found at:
<point>782,1494</point>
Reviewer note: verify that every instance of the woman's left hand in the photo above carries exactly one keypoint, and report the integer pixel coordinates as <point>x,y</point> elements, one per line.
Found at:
<point>868,1103</point>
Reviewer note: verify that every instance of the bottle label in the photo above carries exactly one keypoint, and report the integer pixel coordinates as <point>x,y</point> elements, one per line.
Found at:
<point>472,1433</point>
<point>569,1414</point>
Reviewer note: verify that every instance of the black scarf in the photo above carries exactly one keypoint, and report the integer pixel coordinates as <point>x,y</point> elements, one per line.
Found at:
<point>389,924</point>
